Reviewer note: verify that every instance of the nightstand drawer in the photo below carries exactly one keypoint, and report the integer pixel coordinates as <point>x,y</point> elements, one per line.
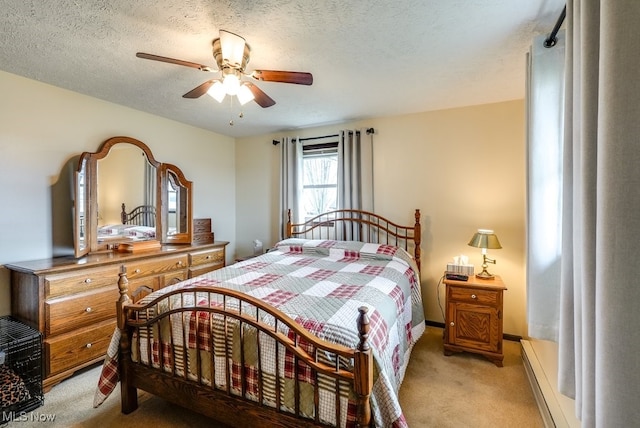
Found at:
<point>157,266</point>
<point>69,313</point>
<point>476,296</point>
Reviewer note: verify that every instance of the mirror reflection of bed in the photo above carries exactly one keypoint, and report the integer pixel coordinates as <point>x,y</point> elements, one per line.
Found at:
<point>137,225</point>
<point>127,179</point>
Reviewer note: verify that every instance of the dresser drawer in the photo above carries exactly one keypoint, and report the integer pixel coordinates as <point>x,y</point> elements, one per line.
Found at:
<point>201,225</point>
<point>138,288</point>
<point>174,278</point>
<point>137,269</point>
<point>205,257</point>
<point>476,296</point>
<point>70,350</point>
<point>200,270</point>
<point>68,313</point>
<point>67,283</point>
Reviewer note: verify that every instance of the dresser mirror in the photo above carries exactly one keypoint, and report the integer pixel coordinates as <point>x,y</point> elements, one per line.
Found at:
<point>123,195</point>
<point>176,205</point>
<point>80,208</point>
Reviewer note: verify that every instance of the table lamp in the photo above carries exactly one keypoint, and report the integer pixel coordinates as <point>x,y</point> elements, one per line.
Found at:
<point>485,238</point>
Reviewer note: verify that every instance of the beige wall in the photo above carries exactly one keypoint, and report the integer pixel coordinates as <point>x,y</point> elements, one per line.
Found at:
<point>41,127</point>
<point>463,168</point>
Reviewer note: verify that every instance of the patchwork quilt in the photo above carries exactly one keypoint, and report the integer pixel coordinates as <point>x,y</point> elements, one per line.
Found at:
<point>320,284</point>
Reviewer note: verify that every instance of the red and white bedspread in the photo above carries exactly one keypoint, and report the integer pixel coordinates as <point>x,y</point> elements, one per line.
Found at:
<point>320,284</point>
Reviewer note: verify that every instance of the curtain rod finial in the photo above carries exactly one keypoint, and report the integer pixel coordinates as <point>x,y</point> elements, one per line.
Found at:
<point>370,131</point>
<point>275,142</point>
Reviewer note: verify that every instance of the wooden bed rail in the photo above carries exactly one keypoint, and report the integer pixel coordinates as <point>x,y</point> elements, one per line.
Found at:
<point>238,311</point>
<point>358,225</point>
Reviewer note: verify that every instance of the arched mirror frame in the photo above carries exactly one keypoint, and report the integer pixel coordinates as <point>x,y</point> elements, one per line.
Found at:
<point>171,173</point>
<point>81,198</point>
<point>86,227</point>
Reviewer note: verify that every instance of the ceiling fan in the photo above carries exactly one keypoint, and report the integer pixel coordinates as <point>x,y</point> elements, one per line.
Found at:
<point>231,53</point>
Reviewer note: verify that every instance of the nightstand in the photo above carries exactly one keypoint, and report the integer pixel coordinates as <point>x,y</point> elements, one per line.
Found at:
<point>474,317</point>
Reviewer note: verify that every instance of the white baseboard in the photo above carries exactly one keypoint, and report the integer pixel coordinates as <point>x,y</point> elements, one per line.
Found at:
<point>551,410</point>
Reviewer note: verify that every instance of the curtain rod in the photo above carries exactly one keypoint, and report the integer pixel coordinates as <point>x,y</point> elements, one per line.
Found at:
<point>552,39</point>
<point>369,131</point>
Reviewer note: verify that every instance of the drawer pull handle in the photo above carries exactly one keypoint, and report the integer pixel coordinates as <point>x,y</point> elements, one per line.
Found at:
<point>88,345</point>
<point>136,271</point>
<point>473,296</point>
<point>87,281</point>
<point>179,263</point>
<point>208,257</point>
<point>452,323</point>
<point>88,309</point>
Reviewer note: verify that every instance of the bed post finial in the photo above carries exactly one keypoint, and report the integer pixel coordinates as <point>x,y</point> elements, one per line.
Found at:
<point>364,368</point>
<point>363,328</point>
<point>128,394</point>
<point>289,230</point>
<point>123,288</point>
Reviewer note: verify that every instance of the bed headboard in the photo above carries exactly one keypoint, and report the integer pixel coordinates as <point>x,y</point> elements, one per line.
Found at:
<point>143,215</point>
<point>357,225</point>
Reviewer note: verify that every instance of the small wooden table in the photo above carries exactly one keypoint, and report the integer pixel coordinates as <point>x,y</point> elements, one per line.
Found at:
<point>474,317</point>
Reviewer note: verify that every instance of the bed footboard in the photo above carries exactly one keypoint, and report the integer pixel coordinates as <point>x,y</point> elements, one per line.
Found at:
<point>240,361</point>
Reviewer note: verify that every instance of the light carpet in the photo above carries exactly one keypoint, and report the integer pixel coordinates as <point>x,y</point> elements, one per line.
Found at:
<point>463,390</point>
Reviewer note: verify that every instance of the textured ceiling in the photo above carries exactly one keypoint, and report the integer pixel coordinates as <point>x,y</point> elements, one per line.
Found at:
<point>369,58</point>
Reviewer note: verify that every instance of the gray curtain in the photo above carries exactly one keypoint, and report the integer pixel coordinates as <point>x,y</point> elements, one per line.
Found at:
<point>545,100</point>
<point>355,171</point>
<point>290,181</point>
<point>599,335</point>
<point>349,177</point>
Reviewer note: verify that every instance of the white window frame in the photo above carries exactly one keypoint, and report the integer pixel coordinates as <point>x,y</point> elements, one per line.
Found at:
<point>316,151</point>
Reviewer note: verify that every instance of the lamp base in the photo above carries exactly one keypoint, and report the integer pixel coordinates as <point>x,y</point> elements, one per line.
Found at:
<point>484,275</point>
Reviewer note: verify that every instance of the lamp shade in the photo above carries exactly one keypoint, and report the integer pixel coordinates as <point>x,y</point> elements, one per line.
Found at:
<point>217,91</point>
<point>244,94</point>
<point>485,238</point>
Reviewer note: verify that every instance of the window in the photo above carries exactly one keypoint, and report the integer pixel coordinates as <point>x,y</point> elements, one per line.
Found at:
<point>320,179</point>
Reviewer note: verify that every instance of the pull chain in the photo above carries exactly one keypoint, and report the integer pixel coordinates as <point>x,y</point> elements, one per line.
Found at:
<point>240,115</point>
<point>231,110</point>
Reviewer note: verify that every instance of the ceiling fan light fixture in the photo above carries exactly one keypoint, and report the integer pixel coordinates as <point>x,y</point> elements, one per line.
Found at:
<point>217,91</point>
<point>231,53</point>
<point>244,95</point>
<point>232,48</point>
<point>231,84</point>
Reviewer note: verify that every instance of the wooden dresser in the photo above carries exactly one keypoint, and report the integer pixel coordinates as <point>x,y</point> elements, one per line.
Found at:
<point>73,301</point>
<point>474,317</point>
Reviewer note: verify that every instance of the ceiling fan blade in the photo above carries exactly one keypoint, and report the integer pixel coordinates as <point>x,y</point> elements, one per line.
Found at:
<point>262,99</point>
<point>232,47</point>
<point>173,61</point>
<point>200,90</point>
<point>296,77</point>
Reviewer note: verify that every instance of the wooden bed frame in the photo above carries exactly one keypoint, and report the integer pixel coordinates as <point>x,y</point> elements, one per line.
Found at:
<point>240,410</point>
<point>357,225</point>
<point>143,215</point>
